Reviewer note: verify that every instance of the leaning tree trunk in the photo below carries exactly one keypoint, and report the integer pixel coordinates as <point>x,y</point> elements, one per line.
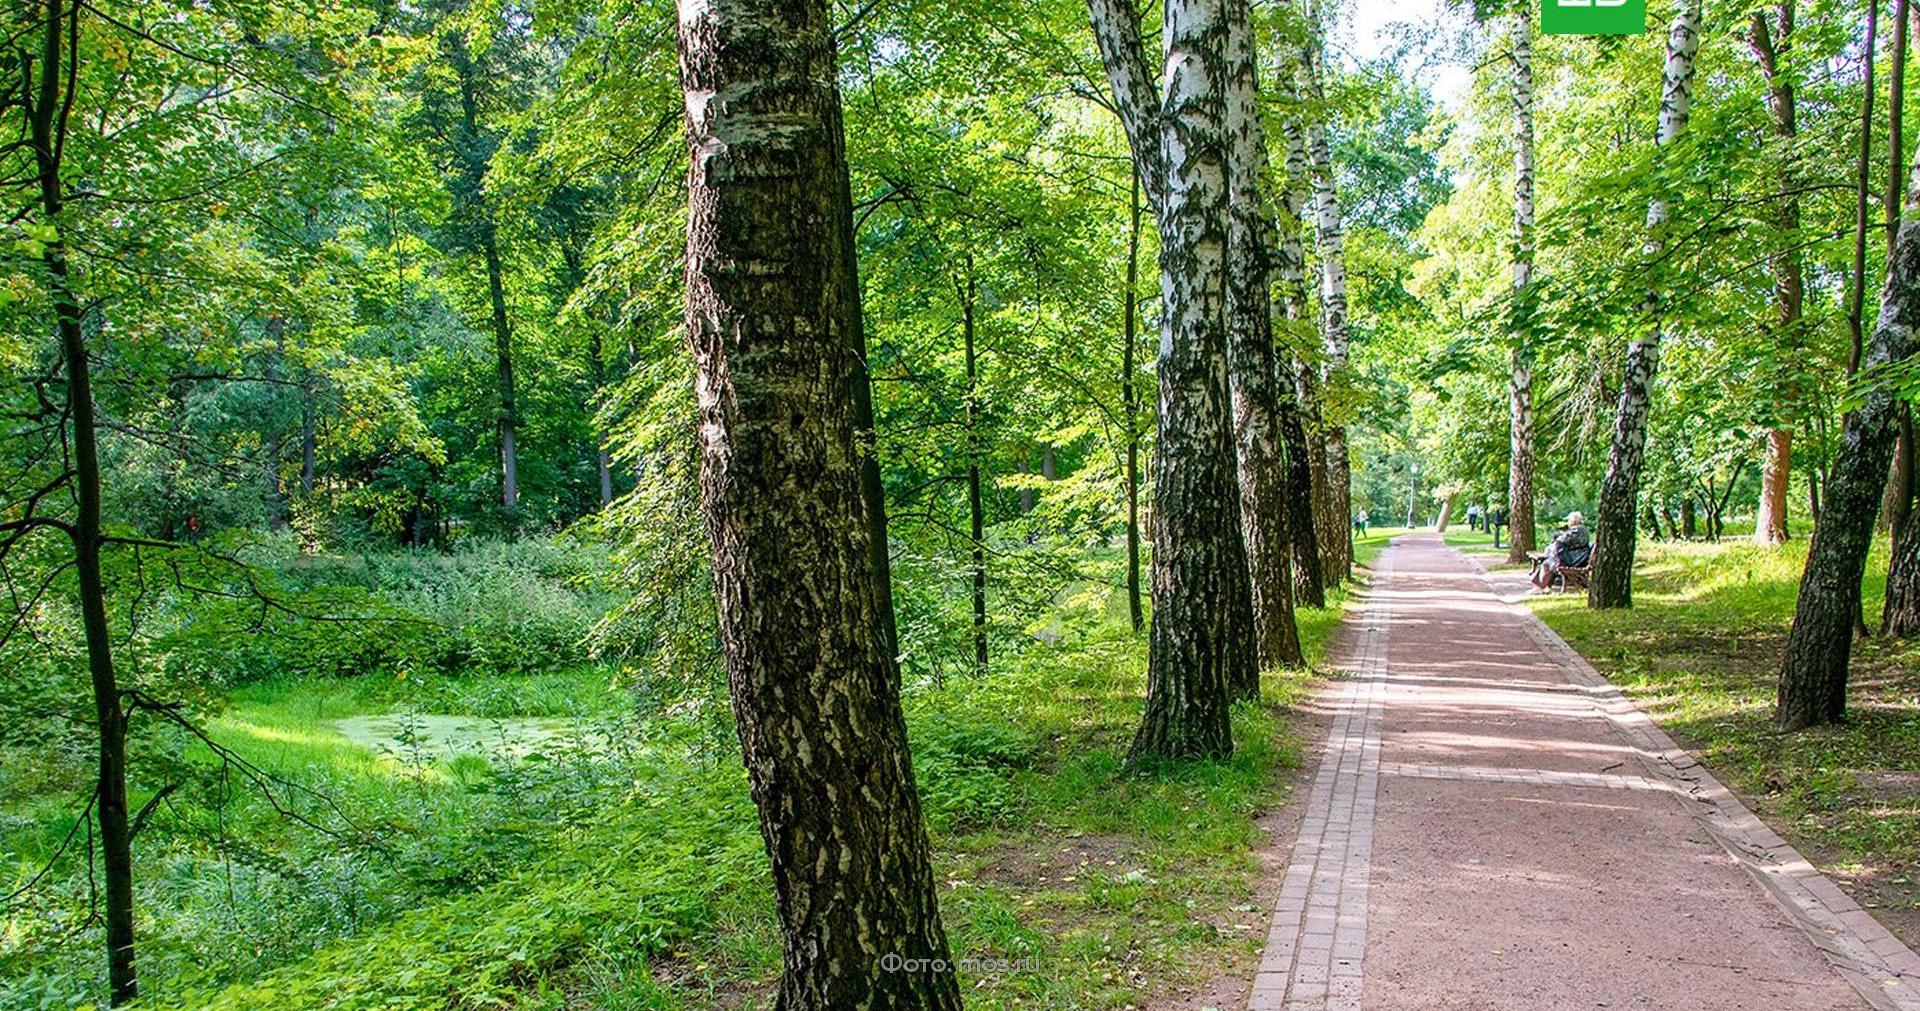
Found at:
<point>1813,678</point>
<point>1337,549</point>
<point>773,319</point>
<point>1520,386</point>
<point>1299,392</point>
<point>1250,355</point>
<point>1615,536</point>
<point>1201,642</point>
<point>1789,285</point>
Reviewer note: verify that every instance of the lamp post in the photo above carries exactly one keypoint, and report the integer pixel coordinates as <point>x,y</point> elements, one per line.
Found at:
<point>1413,498</point>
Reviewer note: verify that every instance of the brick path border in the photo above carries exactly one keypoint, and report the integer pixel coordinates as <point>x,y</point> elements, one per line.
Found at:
<point>1867,955</point>
<point>1318,935</point>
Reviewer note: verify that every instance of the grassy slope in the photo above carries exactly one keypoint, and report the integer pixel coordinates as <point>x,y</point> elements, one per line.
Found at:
<point>1700,651</point>
<point>1122,885</point>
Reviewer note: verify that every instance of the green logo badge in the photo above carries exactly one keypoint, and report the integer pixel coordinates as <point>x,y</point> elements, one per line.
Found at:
<point>1593,17</point>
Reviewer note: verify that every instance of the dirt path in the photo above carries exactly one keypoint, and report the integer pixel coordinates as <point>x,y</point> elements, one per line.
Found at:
<point>1494,828</point>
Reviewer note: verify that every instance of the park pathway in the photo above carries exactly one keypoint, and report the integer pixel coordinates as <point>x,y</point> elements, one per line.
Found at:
<point>1493,827</point>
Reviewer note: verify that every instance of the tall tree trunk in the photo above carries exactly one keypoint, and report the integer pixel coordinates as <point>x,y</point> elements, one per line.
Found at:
<point>1338,549</point>
<point>773,319</point>
<point>1520,386</point>
<point>1900,613</point>
<point>1201,642</point>
<point>976,513</point>
<point>309,439</point>
<point>47,127</point>
<point>503,361</point>
<point>1250,354</point>
<point>476,148</point>
<point>1615,536</point>
<point>1130,406</point>
<point>1813,677</point>
<point>1789,286</point>
<point>1299,393</point>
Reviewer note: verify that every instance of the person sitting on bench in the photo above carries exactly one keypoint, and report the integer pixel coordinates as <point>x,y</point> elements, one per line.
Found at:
<point>1572,548</point>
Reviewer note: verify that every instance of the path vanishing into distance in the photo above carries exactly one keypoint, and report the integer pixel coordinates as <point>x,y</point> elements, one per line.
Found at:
<point>1493,826</point>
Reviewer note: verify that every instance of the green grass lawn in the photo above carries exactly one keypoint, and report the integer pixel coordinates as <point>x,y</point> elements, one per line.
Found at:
<point>1700,651</point>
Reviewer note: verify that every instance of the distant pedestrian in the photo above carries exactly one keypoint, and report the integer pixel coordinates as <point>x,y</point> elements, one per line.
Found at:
<point>1360,522</point>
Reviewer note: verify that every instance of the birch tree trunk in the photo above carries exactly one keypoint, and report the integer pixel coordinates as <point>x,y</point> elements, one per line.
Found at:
<point>1336,546</point>
<point>1201,639</point>
<point>1615,533</point>
<point>1300,406</point>
<point>1789,284</point>
<point>1520,466</point>
<point>1250,354</point>
<point>1813,677</point>
<point>773,320</point>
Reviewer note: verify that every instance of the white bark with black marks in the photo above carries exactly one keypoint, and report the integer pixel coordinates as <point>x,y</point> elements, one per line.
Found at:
<point>1201,639</point>
<point>1250,354</point>
<point>773,319</point>
<point>1520,467</point>
<point>1615,530</point>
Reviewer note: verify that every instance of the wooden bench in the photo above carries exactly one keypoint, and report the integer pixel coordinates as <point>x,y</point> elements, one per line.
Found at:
<point>1569,576</point>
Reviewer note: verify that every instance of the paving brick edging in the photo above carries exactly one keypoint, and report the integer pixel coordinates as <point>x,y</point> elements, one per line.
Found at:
<point>1867,955</point>
<point>1318,935</point>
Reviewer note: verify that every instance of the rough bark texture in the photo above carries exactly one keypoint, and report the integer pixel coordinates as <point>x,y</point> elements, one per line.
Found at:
<point>1306,472</point>
<point>1813,677</point>
<point>1520,464</point>
<point>1789,285</point>
<point>773,320</point>
<point>1250,354</point>
<point>1336,546</point>
<point>1201,641</point>
<point>1615,536</point>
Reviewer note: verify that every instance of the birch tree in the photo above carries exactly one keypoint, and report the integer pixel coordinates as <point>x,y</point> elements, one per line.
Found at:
<point>1201,643</point>
<point>1615,531</point>
<point>1306,453</point>
<point>1336,546</point>
<point>1520,467</point>
<point>1250,352</point>
<point>774,321</point>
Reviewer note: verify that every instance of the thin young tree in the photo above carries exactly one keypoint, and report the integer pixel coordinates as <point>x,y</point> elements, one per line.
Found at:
<point>1250,355</point>
<point>1768,38</point>
<point>967,289</point>
<point>1813,676</point>
<point>1520,465</point>
<point>1615,533</point>
<point>1130,404</point>
<point>774,322</point>
<point>1201,641</point>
